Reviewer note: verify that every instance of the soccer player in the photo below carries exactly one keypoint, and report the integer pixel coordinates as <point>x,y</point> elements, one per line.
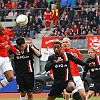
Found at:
<point>5,64</point>
<point>94,72</point>
<point>66,43</point>
<point>59,63</point>
<point>24,70</point>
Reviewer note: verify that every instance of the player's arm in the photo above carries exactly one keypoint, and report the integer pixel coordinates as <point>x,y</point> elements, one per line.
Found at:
<point>13,49</point>
<point>36,51</point>
<point>49,64</point>
<point>76,60</point>
<point>85,72</point>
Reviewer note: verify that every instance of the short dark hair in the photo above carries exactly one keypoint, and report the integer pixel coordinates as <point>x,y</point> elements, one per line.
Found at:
<point>57,42</point>
<point>20,41</point>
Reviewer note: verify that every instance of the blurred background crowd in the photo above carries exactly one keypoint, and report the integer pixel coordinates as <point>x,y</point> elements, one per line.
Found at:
<point>71,18</point>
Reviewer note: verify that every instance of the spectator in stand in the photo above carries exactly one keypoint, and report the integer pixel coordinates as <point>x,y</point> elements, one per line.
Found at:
<point>8,4</point>
<point>89,33</point>
<point>76,18</point>
<point>16,28</point>
<point>82,15</point>
<point>80,29</point>
<point>63,20</point>
<point>38,22</point>
<point>20,10</point>
<point>86,23</point>
<point>26,5</point>
<point>98,30</point>
<point>35,6</point>
<point>43,5</point>
<point>83,35</point>
<point>47,18</point>
<point>20,2</point>
<point>75,29</point>
<point>91,2</point>
<point>90,15</point>
<point>70,34</point>
<point>70,15</point>
<point>96,12</point>
<point>94,30</point>
<point>55,15</point>
<point>66,31</point>
<point>92,25</point>
<point>62,31</point>
<point>32,14</point>
<point>5,1</point>
<point>14,5</point>
<point>51,4</point>
<point>33,30</point>
<point>2,4</point>
<point>99,3</point>
<point>80,3</point>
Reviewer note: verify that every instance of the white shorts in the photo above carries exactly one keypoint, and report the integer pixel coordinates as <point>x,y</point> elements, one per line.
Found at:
<point>78,82</point>
<point>5,65</point>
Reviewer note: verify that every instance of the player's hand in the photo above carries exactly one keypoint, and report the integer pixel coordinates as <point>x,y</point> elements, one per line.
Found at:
<point>7,47</point>
<point>92,64</point>
<point>17,52</point>
<point>75,55</point>
<point>60,60</point>
<point>31,42</point>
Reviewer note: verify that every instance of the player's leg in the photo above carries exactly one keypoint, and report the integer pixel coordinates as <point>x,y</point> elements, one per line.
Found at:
<point>30,95</point>
<point>7,70</point>
<point>90,94</point>
<point>80,87</point>
<point>22,95</point>
<point>29,85</point>
<point>51,97</point>
<point>66,95</point>
<point>71,88</point>
<point>56,90</point>
<point>92,90</point>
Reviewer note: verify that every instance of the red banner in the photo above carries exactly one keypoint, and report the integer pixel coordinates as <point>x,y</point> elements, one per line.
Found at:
<point>48,42</point>
<point>47,47</point>
<point>94,41</point>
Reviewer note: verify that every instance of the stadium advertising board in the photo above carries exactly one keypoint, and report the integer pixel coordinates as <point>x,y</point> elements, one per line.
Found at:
<point>47,47</point>
<point>94,41</point>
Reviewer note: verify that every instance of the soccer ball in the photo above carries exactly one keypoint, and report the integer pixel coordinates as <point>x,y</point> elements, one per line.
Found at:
<point>22,20</point>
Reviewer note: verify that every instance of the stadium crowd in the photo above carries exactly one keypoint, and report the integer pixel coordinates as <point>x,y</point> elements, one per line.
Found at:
<point>73,23</point>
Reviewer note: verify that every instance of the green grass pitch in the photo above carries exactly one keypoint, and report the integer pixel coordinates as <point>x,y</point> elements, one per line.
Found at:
<point>42,99</point>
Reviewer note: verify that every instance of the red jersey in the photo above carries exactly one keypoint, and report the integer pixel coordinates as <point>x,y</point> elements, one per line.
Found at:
<point>4,40</point>
<point>74,67</point>
<point>47,16</point>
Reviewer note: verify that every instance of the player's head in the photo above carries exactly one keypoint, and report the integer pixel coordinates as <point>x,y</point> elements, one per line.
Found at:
<point>1,29</point>
<point>91,53</point>
<point>57,47</point>
<point>21,43</point>
<point>66,43</point>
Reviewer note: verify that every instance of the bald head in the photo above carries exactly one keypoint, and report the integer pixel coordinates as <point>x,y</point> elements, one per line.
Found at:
<point>66,42</point>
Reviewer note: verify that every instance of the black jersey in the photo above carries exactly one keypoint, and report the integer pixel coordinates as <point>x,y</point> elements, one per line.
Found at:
<point>61,71</point>
<point>94,71</point>
<point>24,62</point>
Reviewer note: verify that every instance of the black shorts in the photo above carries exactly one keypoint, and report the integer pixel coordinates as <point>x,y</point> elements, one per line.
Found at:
<point>25,82</point>
<point>57,89</point>
<point>95,86</point>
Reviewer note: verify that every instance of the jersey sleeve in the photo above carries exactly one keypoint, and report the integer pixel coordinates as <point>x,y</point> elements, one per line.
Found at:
<point>49,64</point>
<point>12,48</point>
<point>76,60</point>
<point>85,71</point>
<point>34,52</point>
